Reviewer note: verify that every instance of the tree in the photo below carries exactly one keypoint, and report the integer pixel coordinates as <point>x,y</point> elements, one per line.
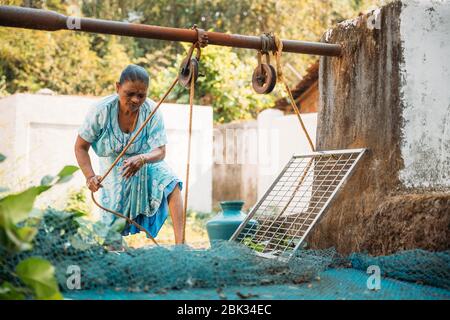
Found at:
<point>80,63</point>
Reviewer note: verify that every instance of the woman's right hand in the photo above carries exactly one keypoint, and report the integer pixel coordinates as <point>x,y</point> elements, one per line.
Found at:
<point>93,183</point>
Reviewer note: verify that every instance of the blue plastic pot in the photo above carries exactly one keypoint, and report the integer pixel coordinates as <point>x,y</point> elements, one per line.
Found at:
<point>225,223</point>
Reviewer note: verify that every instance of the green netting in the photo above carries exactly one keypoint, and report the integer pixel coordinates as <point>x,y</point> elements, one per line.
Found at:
<point>106,263</point>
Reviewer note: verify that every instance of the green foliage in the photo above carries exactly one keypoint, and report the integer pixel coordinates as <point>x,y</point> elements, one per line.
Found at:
<point>77,203</point>
<point>72,228</point>
<point>258,247</point>
<point>3,91</point>
<point>226,85</point>
<point>14,238</point>
<point>63,176</point>
<point>81,63</point>
<point>17,233</point>
<point>95,234</point>
<point>300,19</point>
<point>15,208</point>
<point>65,62</point>
<point>10,292</point>
<point>39,275</point>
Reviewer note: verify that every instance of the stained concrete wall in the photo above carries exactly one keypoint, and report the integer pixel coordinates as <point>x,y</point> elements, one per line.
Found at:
<point>37,134</point>
<point>387,94</point>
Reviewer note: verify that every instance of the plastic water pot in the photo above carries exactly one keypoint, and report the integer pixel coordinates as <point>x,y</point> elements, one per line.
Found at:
<point>224,224</point>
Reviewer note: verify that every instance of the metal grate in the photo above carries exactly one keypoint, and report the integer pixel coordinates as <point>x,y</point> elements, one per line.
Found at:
<point>280,221</point>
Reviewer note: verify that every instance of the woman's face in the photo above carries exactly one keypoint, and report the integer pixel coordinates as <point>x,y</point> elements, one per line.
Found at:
<point>132,94</point>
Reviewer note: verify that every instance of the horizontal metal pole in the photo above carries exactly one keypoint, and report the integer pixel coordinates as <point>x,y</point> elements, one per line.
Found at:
<point>19,17</point>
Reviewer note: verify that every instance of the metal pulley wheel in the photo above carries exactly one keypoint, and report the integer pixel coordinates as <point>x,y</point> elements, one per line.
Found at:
<point>187,71</point>
<point>264,76</point>
<point>264,79</point>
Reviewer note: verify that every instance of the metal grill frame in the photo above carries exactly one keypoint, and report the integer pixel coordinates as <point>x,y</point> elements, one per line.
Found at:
<point>324,208</point>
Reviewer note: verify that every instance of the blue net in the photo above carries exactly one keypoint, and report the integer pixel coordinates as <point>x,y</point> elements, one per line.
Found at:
<point>419,266</point>
<point>106,264</point>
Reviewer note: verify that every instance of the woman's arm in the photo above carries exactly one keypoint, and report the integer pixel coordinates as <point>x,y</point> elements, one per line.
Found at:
<point>133,164</point>
<point>84,162</point>
<point>155,155</point>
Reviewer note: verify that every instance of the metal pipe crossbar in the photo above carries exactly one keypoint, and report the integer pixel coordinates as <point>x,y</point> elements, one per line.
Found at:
<point>28,18</point>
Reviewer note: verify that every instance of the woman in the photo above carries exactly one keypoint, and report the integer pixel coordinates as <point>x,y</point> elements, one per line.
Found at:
<point>141,186</point>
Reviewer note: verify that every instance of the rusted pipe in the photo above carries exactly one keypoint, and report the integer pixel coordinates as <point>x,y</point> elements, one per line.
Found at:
<point>19,17</point>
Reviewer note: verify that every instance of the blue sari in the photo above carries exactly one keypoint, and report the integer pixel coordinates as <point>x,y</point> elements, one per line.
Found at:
<point>143,197</point>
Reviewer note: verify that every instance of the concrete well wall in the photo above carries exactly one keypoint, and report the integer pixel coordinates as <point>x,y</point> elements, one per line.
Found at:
<point>387,94</point>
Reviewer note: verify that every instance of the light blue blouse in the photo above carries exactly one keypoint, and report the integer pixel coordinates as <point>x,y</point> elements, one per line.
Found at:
<point>142,197</point>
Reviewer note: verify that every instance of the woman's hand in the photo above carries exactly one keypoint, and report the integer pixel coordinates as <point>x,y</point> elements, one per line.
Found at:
<point>132,165</point>
<point>93,183</point>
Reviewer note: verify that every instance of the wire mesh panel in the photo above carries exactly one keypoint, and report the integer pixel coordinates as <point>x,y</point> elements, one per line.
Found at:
<point>280,221</point>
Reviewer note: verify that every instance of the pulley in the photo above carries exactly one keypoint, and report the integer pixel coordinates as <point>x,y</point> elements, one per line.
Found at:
<point>264,76</point>
<point>189,66</point>
<point>188,69</point>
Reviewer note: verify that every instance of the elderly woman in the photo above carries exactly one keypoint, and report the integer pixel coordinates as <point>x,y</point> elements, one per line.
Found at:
<point>141,186</point>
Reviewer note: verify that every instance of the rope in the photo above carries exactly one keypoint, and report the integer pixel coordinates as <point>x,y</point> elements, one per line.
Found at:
<point>198,46</point>
<point>191,105</point>
<point>126,148</point>
<point>277,53</point>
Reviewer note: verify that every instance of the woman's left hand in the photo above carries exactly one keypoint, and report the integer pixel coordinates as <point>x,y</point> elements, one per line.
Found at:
<point>131,166</point>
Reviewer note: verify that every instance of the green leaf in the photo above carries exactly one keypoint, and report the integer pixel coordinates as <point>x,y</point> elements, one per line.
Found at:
<point>35,213</point>
<point>78,213</point>
<point>255,246</point>
<point>18,206</point>
<point>66,173</point>
<point>47,180</point>
<point>9,292</point>
<point>26,234</point>
<point>2,157</point>
<point>39,275</point>
<point>14,238</point>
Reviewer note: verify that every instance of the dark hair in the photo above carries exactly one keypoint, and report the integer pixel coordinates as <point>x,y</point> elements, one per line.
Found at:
<point>134,73</point>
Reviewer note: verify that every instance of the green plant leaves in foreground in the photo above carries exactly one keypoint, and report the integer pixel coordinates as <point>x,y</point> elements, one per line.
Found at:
<point>39,275</point>
<point>9,292</point>
<point>63,176</point>
<point>36,273</point>
<point>66,173</point>
<point>17,239</point>
<point>17,206</point>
